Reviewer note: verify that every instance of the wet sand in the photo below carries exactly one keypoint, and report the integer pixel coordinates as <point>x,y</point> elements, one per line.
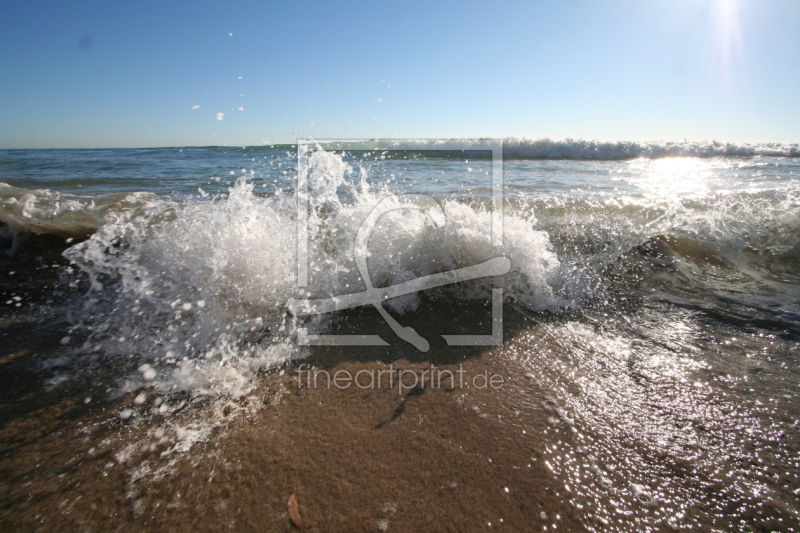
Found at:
<point>433,459</point>
<point>429,459</point>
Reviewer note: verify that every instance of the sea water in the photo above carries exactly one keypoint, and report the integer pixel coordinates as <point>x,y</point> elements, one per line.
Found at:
<point>654,291</point>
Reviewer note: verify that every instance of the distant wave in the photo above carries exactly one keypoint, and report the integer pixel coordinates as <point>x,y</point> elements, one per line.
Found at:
<point>581,149</point>
<point>600,150</point>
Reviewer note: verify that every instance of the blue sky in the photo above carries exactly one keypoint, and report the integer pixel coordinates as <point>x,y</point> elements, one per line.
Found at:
<point>127,74</point>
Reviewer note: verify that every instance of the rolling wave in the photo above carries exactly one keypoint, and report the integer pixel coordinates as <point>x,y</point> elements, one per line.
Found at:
<point>582,149</point>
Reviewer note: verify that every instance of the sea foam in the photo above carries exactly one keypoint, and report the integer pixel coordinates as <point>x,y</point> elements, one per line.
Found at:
<point>197,290</point>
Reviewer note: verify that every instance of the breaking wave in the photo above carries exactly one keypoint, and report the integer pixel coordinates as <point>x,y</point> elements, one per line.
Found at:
<point>581,149</point>
<point>192,295</point>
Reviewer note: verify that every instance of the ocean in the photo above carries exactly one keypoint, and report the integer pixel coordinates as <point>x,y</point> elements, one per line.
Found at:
<point>617,351</point>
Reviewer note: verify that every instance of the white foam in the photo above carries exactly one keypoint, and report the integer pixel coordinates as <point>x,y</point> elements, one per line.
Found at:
<point>545,148</point>
<point>196,293</point>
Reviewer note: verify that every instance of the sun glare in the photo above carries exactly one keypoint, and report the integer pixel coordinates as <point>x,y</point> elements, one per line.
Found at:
<point>671,176</point>
<point>728,38</point>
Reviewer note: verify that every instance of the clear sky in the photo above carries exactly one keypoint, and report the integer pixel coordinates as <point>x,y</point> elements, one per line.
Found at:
<point>130,74</point>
